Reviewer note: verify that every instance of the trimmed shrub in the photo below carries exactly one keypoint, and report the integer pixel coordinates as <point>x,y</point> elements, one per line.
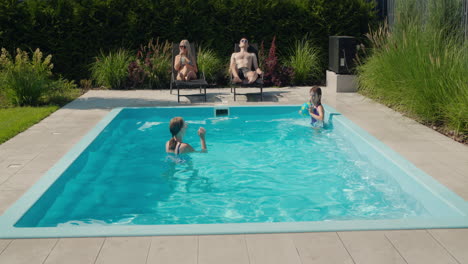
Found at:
<point>110,70</point>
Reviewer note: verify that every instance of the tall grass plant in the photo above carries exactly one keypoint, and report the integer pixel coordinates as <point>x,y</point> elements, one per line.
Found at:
<point>420,66</point>
<point>111,70</point>
<point>210,64</point>
<point>155,60</point>
<point>305,60</point>
<point>23,80</point>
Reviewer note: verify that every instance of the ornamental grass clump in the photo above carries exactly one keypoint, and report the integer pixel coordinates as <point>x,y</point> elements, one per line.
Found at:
<point>420,66</point>
<point>155,59</point>
<point>304,60</point>
<point>111,70</point>
<point>23,80</point>
<point>209,64</point>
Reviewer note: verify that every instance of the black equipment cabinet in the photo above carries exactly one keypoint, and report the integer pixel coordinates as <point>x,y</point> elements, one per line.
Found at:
<point>342,51</point>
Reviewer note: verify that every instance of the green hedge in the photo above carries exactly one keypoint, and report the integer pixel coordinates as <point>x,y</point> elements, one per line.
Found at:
<point>77,31</point>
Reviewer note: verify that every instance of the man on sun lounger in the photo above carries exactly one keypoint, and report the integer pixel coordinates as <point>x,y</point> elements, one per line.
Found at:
<point>241,64</point>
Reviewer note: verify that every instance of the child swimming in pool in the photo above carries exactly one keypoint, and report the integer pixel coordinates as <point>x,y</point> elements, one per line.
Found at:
<point>316,110</point>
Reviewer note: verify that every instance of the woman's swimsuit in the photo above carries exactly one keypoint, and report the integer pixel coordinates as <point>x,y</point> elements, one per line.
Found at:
<point>183,63</point>
<point>177,148</point>
<point>176,156</point>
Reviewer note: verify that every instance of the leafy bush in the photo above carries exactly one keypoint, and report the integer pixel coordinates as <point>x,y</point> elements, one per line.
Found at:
<point>151,67</point>
<point>136,75</point>
<point>421,66</point>
<point>61,92</point>
<point>110,71</point>
<point>155,61</point>
<point>4,102</point>
<point>276,74</point>
<point>209,64</point>
<point>305,61</point>
<point>86,84</point>
<point>24,80</point>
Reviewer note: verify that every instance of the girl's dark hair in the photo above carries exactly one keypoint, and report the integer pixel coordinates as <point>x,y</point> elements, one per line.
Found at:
<point>176,124</point>
<point>316,90</point>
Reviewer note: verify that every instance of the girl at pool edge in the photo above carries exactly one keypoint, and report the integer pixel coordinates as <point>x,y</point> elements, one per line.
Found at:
<point>316,110</point>
<point>178,127</point>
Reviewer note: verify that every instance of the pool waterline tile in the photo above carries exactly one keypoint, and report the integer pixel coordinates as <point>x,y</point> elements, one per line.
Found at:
<point>34,193</point>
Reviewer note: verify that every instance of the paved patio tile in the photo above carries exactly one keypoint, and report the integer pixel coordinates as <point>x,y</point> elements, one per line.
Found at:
<point>272,249</point>
<point>415,145</point>
<point>453,146</point>
<point>4,244</point>
<point>454,241</point>
<point>27,251</point>
<point>316,248</point>
<point>20,181</point>
<point>460,167</point>
<point>7,198</point>
<point>426,133</point>
<point>20,155</point>
<point>452,159</point>
<point>124,250</point>
<point>445,175</point>
<point>5,176</point>
<point>75,251</point>
<point>370,247</point>
<point>228,249</point>
<point>442,172</point>
<point>10,167</point>
<point>44,161</point>
<point>419,247</point>
<point>173,250</point>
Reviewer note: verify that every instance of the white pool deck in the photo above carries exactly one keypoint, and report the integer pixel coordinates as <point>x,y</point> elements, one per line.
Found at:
<point>26,157</point>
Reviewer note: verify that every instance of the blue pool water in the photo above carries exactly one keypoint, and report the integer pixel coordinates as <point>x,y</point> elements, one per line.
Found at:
<point>264,164</point>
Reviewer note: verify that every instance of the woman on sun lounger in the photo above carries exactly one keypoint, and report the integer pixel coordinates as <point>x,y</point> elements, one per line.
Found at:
<point>184,63</point>
<point>178,127</point>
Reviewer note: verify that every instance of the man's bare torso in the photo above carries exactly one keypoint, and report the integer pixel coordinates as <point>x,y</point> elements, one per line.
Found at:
<point>243,59</point>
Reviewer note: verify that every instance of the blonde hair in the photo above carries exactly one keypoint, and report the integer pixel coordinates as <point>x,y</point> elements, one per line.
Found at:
<point>186,43</point>
<point>176,124</point>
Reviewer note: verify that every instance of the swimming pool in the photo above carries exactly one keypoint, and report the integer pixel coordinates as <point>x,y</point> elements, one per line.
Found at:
<point>266,171</point>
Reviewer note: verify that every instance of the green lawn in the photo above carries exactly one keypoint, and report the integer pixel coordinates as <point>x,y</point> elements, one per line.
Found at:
<point>17,119</point>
